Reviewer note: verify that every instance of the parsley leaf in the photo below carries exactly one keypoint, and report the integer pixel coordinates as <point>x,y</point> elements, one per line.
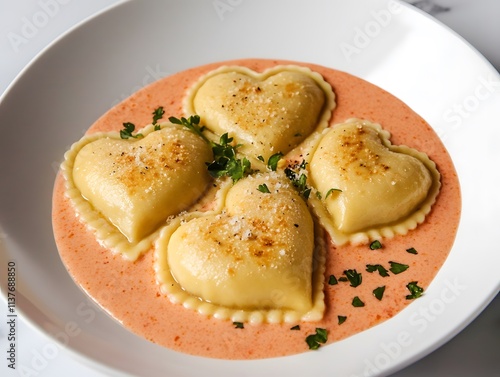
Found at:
<point>397,268</point>
<point>377,267</point>
<point>225,162</point>
<point>128,128</point>
<point>375,245</point>
<point>332,280</point>
<point>415,290</point>
<point>412,250</point>
<point>272,162</point>
<point>238,325</point>
<point>314,341</point>
<point>299,180</point>
<point>296,327</point>
<point>157,115</point>
<point>332,190</point>
<point>263,188</point>
<point>357,303</point>
<point>192,124</point>
<point>379,292</point>
<point>354,277</point>
<point>341,319</point>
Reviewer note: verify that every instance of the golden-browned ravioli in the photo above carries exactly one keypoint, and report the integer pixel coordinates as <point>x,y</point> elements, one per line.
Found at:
<point>370,188</point>
<point>267,113</point>
<point>135,184</point>
<point>251,261</point>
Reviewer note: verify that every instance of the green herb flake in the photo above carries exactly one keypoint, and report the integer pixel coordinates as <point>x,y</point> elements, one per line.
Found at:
<point>357,303</point>
<point>397,268</point>
<point>157,115</point>
<point>332,280</point>
<point>128,128</point>
<point>192,123</point>
<point>260,158</point>
<point>225,162</point>
<point>341,319</point>
<point>331,191</point>
<point>354,277</point>
<point>296,327</point>
<point>238,325</point>
<point>264,189</point>
<point>375,245</point>
<point>314,341</point>
<point>343,279</point>
<point>299,181</point>
<point>412,250</point>
<point>415,290</point>
<point>379,292</point>
<point>272,162</point>
<point>377,267</point>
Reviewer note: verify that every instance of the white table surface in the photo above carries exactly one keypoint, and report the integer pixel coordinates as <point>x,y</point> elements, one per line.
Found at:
<point>473,352</point>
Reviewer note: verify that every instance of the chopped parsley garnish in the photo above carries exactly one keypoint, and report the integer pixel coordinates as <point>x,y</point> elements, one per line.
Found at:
<point>157,115</point>
<point>314,341</point>
<point>128,128</point>
<point>357,303</point>
<point>377,267</point>
<point>341,319</point>
<point>379,292</point>
<point>296,327</point>
<point>332,280</point>
<point>272,162</point>
<point>238,325</point>
<point>192,124</point>
<point>415,290</point>
<point>260,158</point>
<point>330,191</point>
<point>225,162</point>
<point>354,277</point>
<point>375,245</point>
<point>343,278</point>
<point>263,188</point>
<point>412,250</point>
<point>299,179</point>
<point>397,268</point>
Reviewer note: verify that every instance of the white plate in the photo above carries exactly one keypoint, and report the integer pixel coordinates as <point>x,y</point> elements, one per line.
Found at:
<point>97,64</point>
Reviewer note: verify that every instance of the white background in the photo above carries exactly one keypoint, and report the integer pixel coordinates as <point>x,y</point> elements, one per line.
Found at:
<point>29,26</point>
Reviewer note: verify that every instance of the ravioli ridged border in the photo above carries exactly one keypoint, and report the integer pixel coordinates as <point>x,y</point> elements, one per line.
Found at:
<point>177,295</point>
<point>323,119</point>
<point>106,233</point>
<point>384,231</point>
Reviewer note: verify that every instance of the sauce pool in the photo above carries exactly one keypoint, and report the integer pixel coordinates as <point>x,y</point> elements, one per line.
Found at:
<point>129,292</point>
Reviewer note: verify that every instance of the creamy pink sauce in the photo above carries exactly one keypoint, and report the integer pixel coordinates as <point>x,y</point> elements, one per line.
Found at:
<point>129,292</point>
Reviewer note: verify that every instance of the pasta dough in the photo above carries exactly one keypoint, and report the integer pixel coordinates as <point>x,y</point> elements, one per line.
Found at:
<point>257,254</point>
<point>266,113</point>
<point>136,184</point>
<point>375,184</point>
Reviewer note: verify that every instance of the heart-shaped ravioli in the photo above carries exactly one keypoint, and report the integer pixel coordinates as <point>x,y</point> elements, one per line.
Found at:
<point>252,261</point>
<point>369,187</point>
<point>267,112</point>
<point>135,184</point>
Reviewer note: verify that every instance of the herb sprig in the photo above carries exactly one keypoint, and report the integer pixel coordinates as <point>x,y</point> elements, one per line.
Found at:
<point>192,123</point>
<point>128,128</point>
<point>299,179</point>
<point>225,162</point>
